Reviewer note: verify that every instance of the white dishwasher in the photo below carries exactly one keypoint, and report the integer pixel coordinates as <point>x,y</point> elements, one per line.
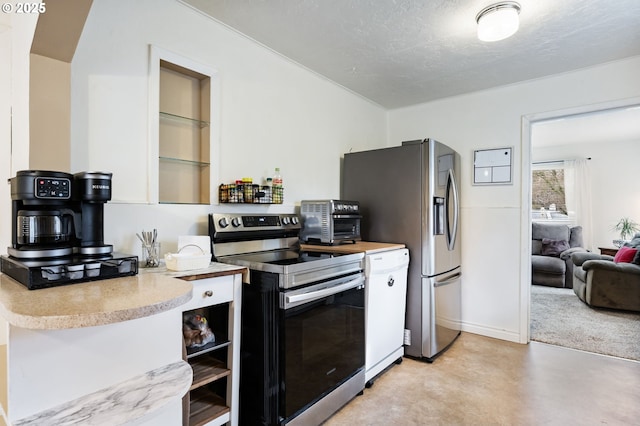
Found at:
<point>386,299</point>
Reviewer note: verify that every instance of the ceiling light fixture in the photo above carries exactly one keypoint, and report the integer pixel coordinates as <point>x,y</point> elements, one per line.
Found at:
<point>498,21</point>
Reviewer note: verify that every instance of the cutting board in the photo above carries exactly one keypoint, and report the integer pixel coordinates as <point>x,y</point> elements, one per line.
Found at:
<point>359,247</point>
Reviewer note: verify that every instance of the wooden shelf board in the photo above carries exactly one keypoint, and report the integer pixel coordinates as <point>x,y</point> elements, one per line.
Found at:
<point>207,370</point>
<point>205,406</point>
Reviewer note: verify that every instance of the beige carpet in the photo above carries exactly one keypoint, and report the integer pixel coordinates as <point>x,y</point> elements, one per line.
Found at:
<point>558,317</point>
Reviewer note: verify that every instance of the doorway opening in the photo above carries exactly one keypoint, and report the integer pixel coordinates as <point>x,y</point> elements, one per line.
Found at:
<point>608,133</point>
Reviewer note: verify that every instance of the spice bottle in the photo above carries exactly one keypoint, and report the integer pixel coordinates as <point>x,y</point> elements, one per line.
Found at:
<point>267,188</point>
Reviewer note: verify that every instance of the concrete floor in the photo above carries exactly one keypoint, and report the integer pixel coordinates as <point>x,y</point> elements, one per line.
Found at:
<point>484,381</point>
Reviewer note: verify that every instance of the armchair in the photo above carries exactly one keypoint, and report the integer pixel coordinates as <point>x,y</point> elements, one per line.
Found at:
<point>552,245</point>
<point>599,281</point>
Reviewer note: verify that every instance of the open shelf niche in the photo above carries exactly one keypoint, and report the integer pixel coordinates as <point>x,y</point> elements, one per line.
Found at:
<point>183,114</point>
<point>184,135</point>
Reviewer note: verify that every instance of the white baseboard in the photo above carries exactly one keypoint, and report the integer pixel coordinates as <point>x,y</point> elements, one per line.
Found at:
<point>495,333</point>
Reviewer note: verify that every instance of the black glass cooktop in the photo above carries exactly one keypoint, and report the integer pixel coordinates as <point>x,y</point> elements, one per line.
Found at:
<point>285,257</point>
<point>298,267</point>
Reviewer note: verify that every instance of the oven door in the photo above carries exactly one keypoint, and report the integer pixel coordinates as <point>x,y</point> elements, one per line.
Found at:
<point>323,344</point>
<point>345,227</point>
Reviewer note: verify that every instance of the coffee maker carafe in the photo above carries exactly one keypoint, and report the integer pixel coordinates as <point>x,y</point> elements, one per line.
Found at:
<point>56,214</point>
<point>42,215</point>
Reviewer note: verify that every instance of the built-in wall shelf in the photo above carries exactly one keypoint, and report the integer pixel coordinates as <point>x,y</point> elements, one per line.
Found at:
<point>183,120</point>
<point>184,114</point>
<point>184,135</point>
<point>183,161</point>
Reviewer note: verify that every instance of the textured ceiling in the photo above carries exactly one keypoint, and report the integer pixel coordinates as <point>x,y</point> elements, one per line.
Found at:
<point>404,52</point>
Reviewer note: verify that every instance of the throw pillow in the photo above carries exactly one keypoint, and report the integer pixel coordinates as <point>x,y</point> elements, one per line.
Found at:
<point>625,255</point>
<point>575,239</point>
<point>636,258</point>
<point>553,247</point>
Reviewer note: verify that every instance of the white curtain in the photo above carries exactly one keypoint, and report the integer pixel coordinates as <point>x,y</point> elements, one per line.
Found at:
<point>577,184</point>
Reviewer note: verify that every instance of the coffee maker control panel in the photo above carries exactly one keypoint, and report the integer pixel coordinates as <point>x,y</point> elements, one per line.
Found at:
<point>53,188</point>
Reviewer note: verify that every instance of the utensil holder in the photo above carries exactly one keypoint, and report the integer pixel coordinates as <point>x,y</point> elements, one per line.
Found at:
<point>151,255</point>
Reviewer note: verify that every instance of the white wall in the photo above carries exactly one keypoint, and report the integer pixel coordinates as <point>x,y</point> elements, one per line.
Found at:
<point>16,33</point>
<point>495,227</point>
<point>614,171</point>
<point>5,142</point>
<point>273,113</point>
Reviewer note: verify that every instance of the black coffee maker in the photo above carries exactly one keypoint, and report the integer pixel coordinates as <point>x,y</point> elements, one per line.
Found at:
<point>56,214</point>
<point>57,230</point>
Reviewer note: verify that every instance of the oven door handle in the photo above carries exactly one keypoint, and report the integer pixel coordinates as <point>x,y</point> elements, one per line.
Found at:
<point>298,299</point>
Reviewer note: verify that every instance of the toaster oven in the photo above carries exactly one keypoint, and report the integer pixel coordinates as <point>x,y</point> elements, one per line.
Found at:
<point>330,221</point>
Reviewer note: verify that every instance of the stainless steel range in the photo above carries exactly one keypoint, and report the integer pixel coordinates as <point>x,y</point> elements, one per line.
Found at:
<point>302,346</point>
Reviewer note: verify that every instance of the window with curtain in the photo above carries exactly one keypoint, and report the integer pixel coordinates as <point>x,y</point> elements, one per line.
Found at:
<point>548,200</point>
<point>578,195</point>
<point>561,193</point>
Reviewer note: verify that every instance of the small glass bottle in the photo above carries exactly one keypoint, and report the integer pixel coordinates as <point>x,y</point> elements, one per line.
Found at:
<point>277,190</point>
<point>277,178</point>
<point>267,188</point>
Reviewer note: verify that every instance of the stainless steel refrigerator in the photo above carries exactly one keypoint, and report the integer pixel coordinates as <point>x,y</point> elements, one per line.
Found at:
<point>410,194</point>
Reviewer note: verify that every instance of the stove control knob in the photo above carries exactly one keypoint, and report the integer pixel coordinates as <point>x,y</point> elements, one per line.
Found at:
<point>286,220</point>
<point>294,220</point>
<point>235,222</point>
<point>224,222</point>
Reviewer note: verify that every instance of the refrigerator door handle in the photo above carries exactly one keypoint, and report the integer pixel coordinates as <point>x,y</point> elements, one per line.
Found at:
<point>449,280</point>
<point>452,189</point>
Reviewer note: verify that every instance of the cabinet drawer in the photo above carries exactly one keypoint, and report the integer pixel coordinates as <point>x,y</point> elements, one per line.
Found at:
<point>210,291</point>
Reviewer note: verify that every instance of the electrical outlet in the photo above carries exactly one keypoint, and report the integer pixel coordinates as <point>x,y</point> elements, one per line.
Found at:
<point>407,337</point>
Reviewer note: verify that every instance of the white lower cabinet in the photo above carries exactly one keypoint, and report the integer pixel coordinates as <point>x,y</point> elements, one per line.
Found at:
<point>213,396</point>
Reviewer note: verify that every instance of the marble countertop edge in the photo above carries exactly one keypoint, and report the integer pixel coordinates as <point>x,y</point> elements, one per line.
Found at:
<point>121,403</point>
